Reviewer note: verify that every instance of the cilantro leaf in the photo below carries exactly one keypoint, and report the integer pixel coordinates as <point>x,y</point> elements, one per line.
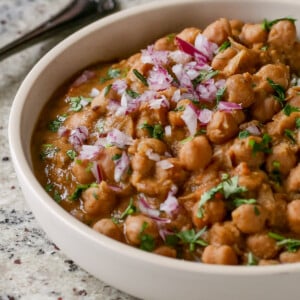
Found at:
<point>71,154</point>
<point>263,146</point>
<point>224,46</point>
<point>147,241</point>
<point>298,123</point>
<point>279,91</point>
<point>156,131</point>
<point>290,135</point>
<point>130,209</point>
<point>48,151</point>
<point>80,188</point>
<point>288,109</point>
<point>54,125</point>
<point>267,25</point>
<point>132,93</point>
<point>243,134</point>
<point>111,74</point>
<point>252,260</point>
<point>291,245</point>
<point>192,238</point>
<point>77,103</point>
<point>220,94</point>
<point>140,76</point>
<point>205,75</point>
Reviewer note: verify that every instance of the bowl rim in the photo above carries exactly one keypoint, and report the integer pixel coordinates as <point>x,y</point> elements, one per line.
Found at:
<point>24,170</point>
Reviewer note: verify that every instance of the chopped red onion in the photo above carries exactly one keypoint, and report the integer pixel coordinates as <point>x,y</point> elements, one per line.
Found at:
<point>83,78</point>
<point>165,164</point>
<point>205,46</point>
<point>118,138</point>
<point>180,57</point>
<point>94,92</point>
<point>229,106</point>
<point>128,104</point>
<point>63,131</point>
<point>89,151</point>
<point>191,50</point>
<point>96,171</point>
<point>254,130</point>
<point>158,103</point>
<point>148,95</point>
<point>164,233</point>
<point>152,155</point>
<point>204,116</point>
<point>154,57</point>
<point>170,205</point>
<point>115,188</point>
<point>120,86</point>
<point>159,79</point>
<point>121,166</point>
<point>207,90</point>
<point>184,79</point>
<point>189,116</point>
<point>176,96</point>
<point>145,208</point>
<point>78,136</point>
<point>168,130</point>
<point>113,105</point>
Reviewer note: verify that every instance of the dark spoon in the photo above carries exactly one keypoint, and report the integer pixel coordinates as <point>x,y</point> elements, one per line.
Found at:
<point>77,14</point>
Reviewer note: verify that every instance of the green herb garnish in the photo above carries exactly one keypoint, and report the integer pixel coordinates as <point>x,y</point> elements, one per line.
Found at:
<point>77,103</point>
<point>243,134</point>
<point>140,76</point>
<point>266,25</point>
<point>224,46</point>
<point>48,151</point>
<point>80,188</point>
<point>111,74</point>
<point>297,123</point>
<point>192,238</point>
<point>49,187</point>
<point>55,124</point>
<point>220,94</point>
<point>179,108</point>
<point>252,260</point>
<point>57,196</point>
<point>205,75</point>
<point>71,154</point>
<point>116,156</point>
<point>132,93</point>
<point>288,109</point>
<point>279,91</point>
<point>291,245</point>
<point>290,135</point>
<point>147,241</point>
<point>264,48</point>
<point>239,201</point>
<point>130,209</point>
<point>228,187</point>
<point>263,146</point>
<point>107,89</point>
<point>156,131</point>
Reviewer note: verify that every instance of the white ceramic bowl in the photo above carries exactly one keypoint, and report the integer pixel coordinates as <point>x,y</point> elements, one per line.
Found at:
<point>136,272</point>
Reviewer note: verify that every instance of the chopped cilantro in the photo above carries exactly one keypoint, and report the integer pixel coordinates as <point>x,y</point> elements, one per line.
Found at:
<point>172,240</point>
<point>224,46</point>
<point>279,91</point>
<point>243,134</point>
<point>298,123</point>
<point>71,154</point>
<point>290,135</point>
<point>57,196</point>
<point>147,241</point>
<point>252,260</point>
<point>156,131</point>
<point>49,187</point>
<point>100,126</point>
<point>205,75</point>
<point>266,25</point>
<point>107,89</point>
<point>116,156</point>
<point>77,103</point>
<point>48,151</point>
<point>288,109</point>
<point>256,210</point>
<point>291,245</point>
<point>239,201</point>
<point>263,146</point>
<point>130,209</point>
<point>132,93</point>
<point>228,187</point>
<point>111,74</point>
<point>171,37</point>
<point>220,94</point>
<point>80,188</point>
<point>179,108</point>
<point>192,238</point>
<point>55,124</point>
<point>264,48</point>
<point>140,76</point>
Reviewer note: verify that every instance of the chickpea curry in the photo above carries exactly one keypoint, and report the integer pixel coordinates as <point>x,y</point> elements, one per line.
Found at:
<point>187,149</point>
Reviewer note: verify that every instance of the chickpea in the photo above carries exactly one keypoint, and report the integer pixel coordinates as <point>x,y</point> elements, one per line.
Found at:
<point>189,34</point>
<point>100,102</point>
<point>236,27</point>
<point>262,246</point>
<point>268,262</point>
<point>293,180</point>
<point>279,73</point>
<point>221,60</point>
<point>136,226</point>
<point>253,34</point>
<point>239,90</point>
<point>224,234</point>
<point>213,211</point>
<point>99,200</point>
<point>82,118</point>
<point>282,159</point>
<point>283,34</point>
<point>218,31</point>
<point>175,116</point>
<point>221,255</point>
<point>81,170</point>
<point>165,251</point>
<point>165,43</point>
<point>195,154</point>
<point>249,218</point>
<point>242,151</point>
<point>265,109</point>
<point>109,228</point>
<point>293,215</point>
<point>289,257</point>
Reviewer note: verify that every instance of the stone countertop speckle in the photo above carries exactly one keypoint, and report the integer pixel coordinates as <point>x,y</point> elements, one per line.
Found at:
<point>31,266</point>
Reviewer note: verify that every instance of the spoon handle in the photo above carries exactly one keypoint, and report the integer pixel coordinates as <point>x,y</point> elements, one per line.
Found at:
<point>76,14</point>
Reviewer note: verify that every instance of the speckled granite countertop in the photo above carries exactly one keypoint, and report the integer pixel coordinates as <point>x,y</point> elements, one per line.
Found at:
<point>31,266</point>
